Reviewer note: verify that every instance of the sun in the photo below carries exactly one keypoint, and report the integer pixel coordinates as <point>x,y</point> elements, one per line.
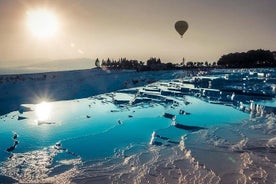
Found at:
<point>42,23</point>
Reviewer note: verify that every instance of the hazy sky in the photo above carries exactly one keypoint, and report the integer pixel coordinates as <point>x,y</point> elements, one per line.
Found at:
<point>138,29</point>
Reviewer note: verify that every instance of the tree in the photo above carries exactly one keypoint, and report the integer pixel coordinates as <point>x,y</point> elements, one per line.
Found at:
<point>154,63</point>
<point>190,64</point>
<point>97,62</point>
<point>250,59</point>
<point>214,64</point>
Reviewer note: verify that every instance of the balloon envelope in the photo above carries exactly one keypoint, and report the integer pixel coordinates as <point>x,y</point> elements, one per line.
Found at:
<point>181,27</point>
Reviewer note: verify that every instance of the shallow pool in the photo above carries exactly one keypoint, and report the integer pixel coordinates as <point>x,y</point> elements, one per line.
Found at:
<point>73,134</point>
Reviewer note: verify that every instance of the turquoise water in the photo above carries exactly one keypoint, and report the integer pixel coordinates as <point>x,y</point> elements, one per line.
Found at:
<point>88,139</point>
<point>113,138</point>
<point>88,128</point>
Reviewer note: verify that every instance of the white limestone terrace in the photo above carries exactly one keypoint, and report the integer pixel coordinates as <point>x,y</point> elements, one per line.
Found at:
<point>180,145</point>
<point>227,86</point>
<point>66,85</point>
<point>254,95</point>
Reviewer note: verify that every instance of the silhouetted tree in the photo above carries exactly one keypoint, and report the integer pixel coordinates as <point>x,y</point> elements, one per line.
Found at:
<point>190,64</point>
<point>151,64</point>
<point>154,63</point>
<point>108,62</point>
<point>170,66</point>
<point>214,64</point>
<point>97,62</point>
<point>250,59</point>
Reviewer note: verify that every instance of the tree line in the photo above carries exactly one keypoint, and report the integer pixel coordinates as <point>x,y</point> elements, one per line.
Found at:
<point>250,59</point>
<point>152,64</point>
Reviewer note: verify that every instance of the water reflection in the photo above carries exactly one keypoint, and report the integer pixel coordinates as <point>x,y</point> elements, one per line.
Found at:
<point>43,111</point>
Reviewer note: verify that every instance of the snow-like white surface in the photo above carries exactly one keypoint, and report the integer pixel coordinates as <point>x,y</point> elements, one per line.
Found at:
<point>51,86</point>
<point>108,135</point>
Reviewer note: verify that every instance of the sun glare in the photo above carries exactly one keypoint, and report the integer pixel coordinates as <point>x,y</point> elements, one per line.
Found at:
<point>43,111</point>
<point>42,23</point>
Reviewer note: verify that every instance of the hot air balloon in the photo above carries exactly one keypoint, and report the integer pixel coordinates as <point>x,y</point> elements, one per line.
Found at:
<point>181,27</point>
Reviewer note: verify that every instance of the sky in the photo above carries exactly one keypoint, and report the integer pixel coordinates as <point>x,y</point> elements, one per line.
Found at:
<point>137,29</point>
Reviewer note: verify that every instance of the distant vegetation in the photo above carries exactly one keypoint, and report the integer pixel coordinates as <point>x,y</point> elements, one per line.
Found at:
<point>152,64</point>
<point>250,59</point>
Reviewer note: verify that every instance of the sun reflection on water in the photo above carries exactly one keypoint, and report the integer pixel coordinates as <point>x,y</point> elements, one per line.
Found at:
<point>43,111</point>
